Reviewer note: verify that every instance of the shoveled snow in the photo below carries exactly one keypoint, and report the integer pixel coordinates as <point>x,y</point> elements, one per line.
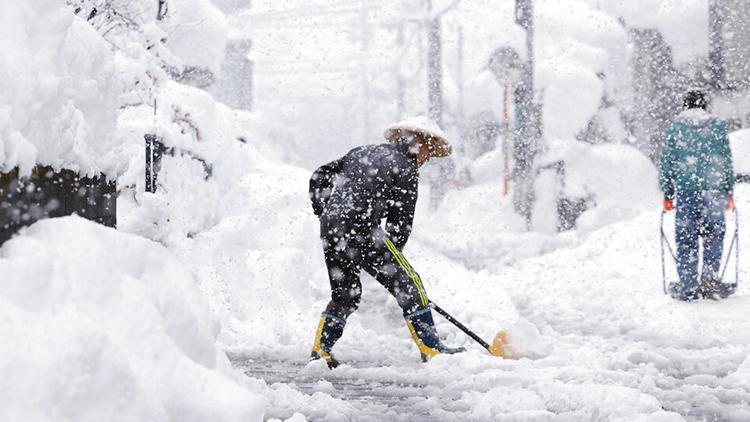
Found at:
<point>102,325</point>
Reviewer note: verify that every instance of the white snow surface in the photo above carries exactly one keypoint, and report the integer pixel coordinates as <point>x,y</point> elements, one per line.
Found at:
<point>102,325</point>
<point>740,143</point>
<point>59,105</point>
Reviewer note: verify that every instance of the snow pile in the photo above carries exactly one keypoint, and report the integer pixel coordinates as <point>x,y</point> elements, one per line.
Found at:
<point>100,325</point>
<point>217,168</point>
<point>245,228</point>
<point>575,45</point>
<point>478,226</point>
<point>61,86</point>
<point>196,32</point>
<point>617,180</point>
<point>64,83</point>
<point>739,141</point>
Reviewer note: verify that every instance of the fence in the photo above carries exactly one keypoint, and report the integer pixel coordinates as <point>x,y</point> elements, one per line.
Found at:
<point>51,193</point>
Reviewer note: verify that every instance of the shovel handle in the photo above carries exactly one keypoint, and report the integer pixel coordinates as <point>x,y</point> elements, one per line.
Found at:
<point>460,326</point>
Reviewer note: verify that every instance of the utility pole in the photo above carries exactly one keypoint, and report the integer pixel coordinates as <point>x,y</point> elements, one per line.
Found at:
<point>716,16</point>
<point>434,67</point>
<point>528,129</point>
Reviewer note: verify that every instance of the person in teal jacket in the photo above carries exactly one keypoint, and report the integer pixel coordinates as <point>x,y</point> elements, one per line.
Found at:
<point>696,171</point>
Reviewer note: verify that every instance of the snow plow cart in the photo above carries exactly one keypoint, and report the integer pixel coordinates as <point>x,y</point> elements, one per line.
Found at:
<point>721,289</point>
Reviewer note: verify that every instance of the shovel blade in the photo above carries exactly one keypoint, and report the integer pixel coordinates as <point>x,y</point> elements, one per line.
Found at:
<point>499,345</point>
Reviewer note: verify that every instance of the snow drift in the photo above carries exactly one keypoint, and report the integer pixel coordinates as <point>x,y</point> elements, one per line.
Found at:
<point>101,325</point>
<point>59,105</point>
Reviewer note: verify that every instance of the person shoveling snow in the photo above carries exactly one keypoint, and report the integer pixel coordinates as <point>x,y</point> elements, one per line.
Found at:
<point>696,170</point>
<point>351,196</point>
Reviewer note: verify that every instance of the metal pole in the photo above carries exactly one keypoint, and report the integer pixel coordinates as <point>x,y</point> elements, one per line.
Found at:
<point>663,264</point>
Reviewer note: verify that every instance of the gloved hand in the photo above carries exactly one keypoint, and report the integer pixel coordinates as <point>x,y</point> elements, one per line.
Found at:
<point>730,202</point>
<point>668,206</point>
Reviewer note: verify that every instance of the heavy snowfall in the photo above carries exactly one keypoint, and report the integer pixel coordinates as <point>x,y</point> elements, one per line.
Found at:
<point>208,118</point>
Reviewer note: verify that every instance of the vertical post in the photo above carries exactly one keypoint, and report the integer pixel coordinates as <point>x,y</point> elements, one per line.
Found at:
<point>150,138</point>
<point>528,130</point>
<point>505,135</point>
<point>162,11</point>
<point>434,68</point>
<point>154,152</point>
<point>716,15</point>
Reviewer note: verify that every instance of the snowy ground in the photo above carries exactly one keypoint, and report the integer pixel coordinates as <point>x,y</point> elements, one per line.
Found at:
<point>132,324</point>
<point>611,346</point>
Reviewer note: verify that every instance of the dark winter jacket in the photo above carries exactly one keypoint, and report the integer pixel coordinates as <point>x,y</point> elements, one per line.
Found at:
<point>696,155</point>
<point>366,185</point>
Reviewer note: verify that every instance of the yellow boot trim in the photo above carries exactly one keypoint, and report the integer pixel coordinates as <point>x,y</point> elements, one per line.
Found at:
<point>409,270</point>
<point>319,335</point>
<point>325,355</point>
<point>423,349</point>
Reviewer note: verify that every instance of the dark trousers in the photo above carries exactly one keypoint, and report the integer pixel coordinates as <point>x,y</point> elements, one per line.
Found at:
<point>699,215</point>
<point>347,254</point>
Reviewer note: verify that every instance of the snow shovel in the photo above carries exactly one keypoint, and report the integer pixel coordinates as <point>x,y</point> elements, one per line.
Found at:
<point>733,246</point>
<point>497,348</point>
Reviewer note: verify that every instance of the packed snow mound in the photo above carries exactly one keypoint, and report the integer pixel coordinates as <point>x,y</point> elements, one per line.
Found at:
<point>479,226</point>
<point>739,142</point>
<point>59,105</point>
<point>618,180</point>
<point>197,33</point>
<point>101,325</point>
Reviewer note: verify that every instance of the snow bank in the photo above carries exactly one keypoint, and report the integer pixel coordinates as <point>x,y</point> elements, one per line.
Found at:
<point>59,105</point>
<point>101,325</point>
<point>197,33</point>
<point>479,227</point>
<point>246,231</point>
<point>575,44</point>
<point>739,141</point>
<point>618,180</point>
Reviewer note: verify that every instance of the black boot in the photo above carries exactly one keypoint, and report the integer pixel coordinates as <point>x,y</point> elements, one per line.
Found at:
<point>330,329</point>
<point>714,288</point>
<point>677,291</point>
<point>422,328</point>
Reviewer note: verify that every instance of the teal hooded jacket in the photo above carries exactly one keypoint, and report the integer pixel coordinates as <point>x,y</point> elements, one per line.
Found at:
<point>696,155</point>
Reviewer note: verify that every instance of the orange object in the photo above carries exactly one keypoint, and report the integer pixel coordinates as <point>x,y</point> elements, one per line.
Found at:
<point>497,348</point>
<point>668,206</point>
<point>730,202</point>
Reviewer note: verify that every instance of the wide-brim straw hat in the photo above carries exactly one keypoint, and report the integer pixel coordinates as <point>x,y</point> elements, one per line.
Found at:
<point>437,142</point>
